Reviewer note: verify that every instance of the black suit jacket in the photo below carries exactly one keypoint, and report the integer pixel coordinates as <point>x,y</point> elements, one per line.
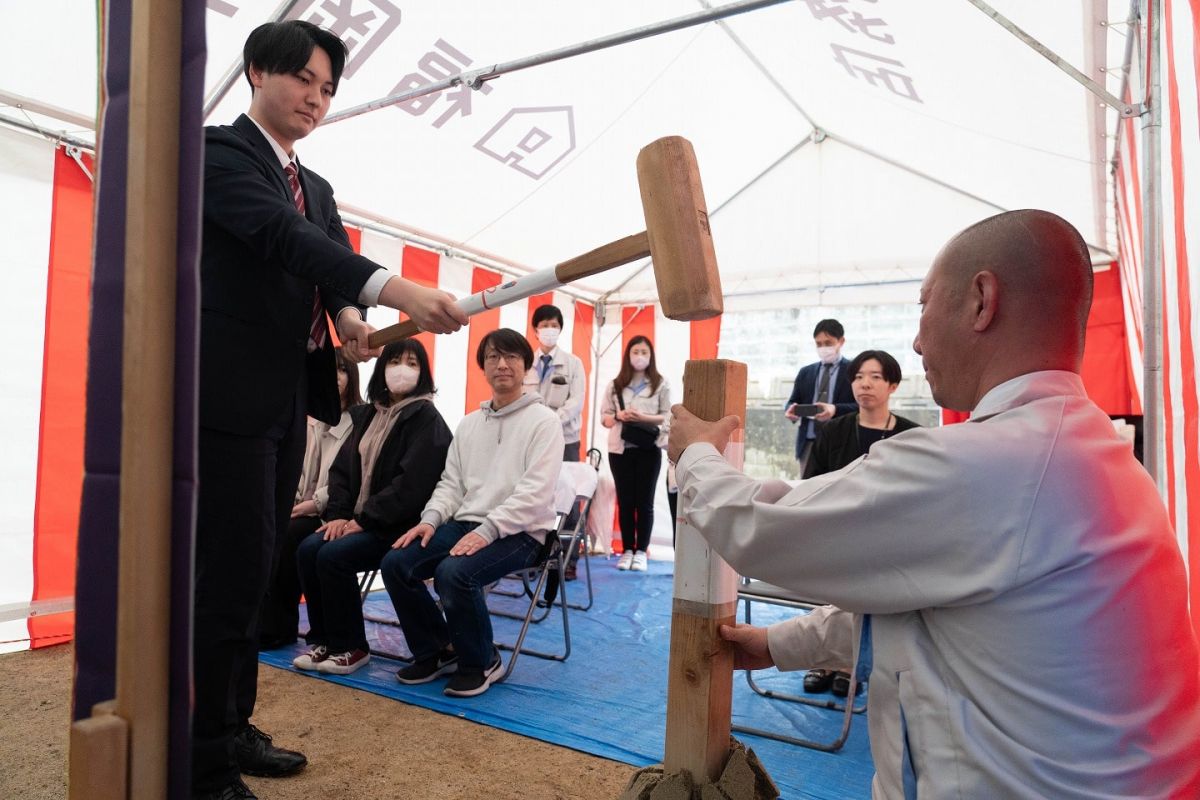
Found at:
<point>837,444</point>
<point>260,263</point>
<point>806,386</point>
<point>407,470</point>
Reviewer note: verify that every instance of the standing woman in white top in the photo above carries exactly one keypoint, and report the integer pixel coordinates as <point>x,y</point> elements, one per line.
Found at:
<point>637,433</point>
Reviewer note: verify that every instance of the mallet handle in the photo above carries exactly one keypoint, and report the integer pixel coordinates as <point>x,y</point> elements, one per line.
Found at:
<point>605,257</point>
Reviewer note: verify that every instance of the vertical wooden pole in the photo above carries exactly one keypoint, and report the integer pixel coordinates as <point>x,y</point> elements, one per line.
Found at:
<point>700,679</point>
<point>148,395</point>
<point>124,745</point>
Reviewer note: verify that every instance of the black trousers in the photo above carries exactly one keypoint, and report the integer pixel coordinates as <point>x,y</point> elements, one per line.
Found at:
<point>247,485</point>
<point>635,474</point>
<point>279,620</point>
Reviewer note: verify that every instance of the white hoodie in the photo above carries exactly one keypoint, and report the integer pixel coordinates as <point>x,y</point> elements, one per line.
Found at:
<point>501,471</point>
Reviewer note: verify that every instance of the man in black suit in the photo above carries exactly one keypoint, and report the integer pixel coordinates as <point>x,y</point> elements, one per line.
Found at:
<point>824,383</point>
<point>276,265</point>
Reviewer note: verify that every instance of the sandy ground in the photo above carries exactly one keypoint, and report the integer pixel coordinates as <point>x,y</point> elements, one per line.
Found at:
<point>359,745</point>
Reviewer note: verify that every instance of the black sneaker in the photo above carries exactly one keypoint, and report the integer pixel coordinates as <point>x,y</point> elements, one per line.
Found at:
<point>257,756</point>
<point>468,683</point>
<point>429,669</point>
<point>233,791</point>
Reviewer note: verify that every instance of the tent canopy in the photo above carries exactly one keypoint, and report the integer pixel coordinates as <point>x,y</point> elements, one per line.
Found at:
<point>840,143</point>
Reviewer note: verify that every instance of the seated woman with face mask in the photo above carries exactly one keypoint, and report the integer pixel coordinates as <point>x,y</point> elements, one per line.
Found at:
<point>378,485</point>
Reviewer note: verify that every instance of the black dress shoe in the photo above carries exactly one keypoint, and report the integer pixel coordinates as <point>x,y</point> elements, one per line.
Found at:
<point>817,680</point>
<point>840,686</point>
<point>275,642</point>
<point>232,791</point>
<point>257,756</point>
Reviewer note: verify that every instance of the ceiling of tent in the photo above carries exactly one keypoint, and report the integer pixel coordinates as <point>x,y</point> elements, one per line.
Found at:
<point>840,142</point>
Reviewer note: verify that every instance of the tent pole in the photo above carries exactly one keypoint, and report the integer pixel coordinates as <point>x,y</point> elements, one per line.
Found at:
<point>1123,108</point>
<point>476,78</point>
<point>1152,260</point>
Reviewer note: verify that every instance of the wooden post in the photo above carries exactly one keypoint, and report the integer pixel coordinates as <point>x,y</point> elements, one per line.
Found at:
<point>700,679</point>
<point>99,750</point>
<point>133,750</point>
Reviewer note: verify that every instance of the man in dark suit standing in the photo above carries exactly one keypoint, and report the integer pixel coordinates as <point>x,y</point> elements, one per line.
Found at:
<point>824,383</point>
<point>276,266</point>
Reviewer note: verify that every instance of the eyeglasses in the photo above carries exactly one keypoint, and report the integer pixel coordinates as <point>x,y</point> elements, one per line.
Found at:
<point>494,358</point>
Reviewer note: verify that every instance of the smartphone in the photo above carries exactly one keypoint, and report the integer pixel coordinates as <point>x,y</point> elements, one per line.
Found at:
<point>806,409</point>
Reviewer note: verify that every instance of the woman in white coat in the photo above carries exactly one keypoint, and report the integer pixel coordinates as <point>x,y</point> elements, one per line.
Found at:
<point>635,408</point>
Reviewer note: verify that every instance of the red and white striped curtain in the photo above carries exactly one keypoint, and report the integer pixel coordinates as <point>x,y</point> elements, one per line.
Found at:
<point>1179,61</point>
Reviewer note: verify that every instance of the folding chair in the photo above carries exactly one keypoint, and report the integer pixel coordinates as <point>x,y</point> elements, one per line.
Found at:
<point>752,591</point>
<point>576,488</point>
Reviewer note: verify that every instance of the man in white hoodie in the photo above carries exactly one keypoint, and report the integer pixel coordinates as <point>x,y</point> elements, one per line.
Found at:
<point>489,515</point>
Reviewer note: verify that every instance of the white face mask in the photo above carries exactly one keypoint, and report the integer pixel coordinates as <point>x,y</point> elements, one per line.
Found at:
<point>548,336</point>
<point>401,378</point>
<point>639,362</point>
<point>828,355</point>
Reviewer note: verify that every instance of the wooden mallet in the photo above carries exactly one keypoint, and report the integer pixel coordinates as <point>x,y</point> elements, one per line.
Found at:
<point>677,239</point>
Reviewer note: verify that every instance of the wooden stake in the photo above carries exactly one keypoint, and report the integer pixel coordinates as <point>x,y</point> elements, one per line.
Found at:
<point>700,679</point>
<point>99,748</point>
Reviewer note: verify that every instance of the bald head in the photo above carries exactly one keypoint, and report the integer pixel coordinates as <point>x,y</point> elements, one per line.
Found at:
<point>1042,264</point>
<point>1008,296</point>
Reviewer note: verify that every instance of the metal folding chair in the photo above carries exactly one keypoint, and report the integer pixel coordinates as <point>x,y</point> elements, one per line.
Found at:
<point>752,591</point>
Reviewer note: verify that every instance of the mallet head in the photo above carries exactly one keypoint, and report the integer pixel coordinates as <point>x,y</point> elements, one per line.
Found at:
<point>681,247</point>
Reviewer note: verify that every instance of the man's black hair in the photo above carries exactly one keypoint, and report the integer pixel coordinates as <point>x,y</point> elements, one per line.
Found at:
<point>830,326</point>
<point>506,342</point>
<point>543,313</point>
<point>284,48</point>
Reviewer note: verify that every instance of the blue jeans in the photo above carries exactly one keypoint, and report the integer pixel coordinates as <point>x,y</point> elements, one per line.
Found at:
<point>329,575</point>
<point>459,581</point>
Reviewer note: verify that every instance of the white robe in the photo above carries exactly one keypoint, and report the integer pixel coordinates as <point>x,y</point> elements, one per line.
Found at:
<point>1030,627</point>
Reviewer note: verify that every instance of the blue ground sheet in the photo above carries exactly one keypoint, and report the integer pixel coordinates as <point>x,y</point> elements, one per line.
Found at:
<point>609,697</point>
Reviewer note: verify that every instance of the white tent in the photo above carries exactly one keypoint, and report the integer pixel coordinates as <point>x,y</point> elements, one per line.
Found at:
<point>841,142</point>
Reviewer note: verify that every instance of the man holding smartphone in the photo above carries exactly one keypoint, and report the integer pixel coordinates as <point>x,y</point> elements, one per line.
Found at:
<point>822,389</point>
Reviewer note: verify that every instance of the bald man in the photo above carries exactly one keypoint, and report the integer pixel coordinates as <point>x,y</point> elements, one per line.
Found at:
<point>1026,599</point>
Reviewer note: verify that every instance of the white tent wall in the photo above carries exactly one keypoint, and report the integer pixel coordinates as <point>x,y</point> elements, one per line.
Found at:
<point>27,167</point>
<point>838,153</point>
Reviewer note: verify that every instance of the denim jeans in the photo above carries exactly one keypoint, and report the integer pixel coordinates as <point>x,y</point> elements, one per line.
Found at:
<point>329,575</point>
<point>459,581</point>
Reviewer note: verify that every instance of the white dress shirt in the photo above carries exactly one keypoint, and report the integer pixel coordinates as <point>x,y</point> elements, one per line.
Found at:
<point>1030,625</point>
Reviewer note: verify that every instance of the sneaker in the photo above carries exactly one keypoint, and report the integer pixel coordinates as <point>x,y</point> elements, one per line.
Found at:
<point>626,560</point>
<point>309,661</point>
<point>639,562</point>
<point>343,663</point>
<point>429,669</point>
<point>468,683</point>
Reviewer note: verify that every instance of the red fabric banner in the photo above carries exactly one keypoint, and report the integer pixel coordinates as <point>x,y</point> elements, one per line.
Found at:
<point>581,345</point>
<point>421,266</point>
<point>1106,368</point>
<point>60,441</point>
<point>706,335</point>
<point>481,325</point>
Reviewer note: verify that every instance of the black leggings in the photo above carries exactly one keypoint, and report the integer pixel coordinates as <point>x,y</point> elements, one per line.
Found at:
<point>635,473</point>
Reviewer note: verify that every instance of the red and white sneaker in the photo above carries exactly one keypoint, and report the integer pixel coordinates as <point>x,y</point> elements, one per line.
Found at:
<point>309,660</point>
<point>344,663</point>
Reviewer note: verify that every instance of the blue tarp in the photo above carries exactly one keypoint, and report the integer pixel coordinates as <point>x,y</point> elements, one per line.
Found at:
<point>609,698</point>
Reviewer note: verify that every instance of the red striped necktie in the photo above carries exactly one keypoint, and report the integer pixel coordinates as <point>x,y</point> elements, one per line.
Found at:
<point>318,330</point>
